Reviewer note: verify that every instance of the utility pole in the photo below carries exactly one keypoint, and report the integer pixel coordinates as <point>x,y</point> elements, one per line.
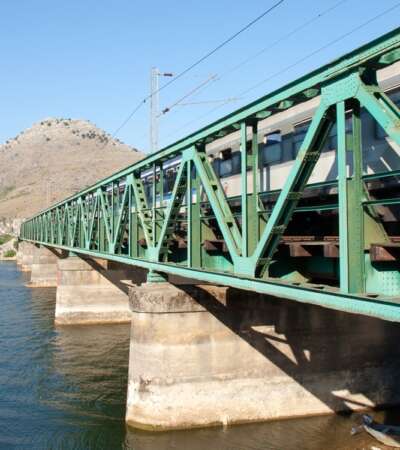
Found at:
<point>154,106</point>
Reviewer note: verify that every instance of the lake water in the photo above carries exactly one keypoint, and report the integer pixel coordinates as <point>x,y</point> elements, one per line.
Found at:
<point>65,388</point>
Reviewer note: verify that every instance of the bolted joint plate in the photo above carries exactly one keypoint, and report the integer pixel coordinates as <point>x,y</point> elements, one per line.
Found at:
<point>244,266</point>
<point>341,89</point>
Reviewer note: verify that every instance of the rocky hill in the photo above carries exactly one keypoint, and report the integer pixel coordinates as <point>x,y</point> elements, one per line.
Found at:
<point>52,160</point>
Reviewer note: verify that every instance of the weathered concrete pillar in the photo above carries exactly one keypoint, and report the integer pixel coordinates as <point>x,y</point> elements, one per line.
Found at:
<point>20,254</point>
<point>26,249</point>
<point>44,267</point>
<point>93,291</point>
<point>203,356</point>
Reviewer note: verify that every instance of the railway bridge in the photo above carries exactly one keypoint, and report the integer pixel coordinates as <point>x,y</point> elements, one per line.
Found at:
<point>267,304</point>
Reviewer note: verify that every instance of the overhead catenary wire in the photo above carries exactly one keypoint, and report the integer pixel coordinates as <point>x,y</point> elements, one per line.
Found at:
<point>284,37</point>
<point>198,62</point>
<point>188,94</point>
<point>290,66</point>
<point>275,43</point>
<point>222,100</point>
<point>218,47</point>
<point>324,47</point>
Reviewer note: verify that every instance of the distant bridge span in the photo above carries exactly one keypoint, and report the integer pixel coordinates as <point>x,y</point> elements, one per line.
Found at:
<point>193,229</point>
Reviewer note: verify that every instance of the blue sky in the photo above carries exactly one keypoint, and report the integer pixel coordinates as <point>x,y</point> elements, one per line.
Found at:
<point>91,59</point>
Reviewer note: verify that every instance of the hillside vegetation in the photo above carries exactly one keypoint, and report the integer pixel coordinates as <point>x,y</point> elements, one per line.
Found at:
<point>52,160</point>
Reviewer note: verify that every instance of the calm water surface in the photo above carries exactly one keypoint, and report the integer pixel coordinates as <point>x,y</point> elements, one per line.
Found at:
<point>65,388</point>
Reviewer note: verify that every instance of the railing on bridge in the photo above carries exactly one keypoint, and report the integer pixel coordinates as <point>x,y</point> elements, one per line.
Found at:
<point>195,230</point>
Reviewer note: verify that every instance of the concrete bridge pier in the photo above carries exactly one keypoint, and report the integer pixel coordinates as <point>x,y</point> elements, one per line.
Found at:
<point>20,253</point>
<point>44,266</point>
<point>206,355</point>
<point>88,290</point>
<point>26,250</point>
<point>93,290</point>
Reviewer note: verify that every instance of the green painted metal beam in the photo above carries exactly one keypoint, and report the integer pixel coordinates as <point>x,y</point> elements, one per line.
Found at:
<point>385,308</point>
<point>115,220</point>
<point>368,54</point>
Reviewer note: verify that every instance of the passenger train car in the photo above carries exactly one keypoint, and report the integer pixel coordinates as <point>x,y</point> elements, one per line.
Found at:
<point>280,138</point>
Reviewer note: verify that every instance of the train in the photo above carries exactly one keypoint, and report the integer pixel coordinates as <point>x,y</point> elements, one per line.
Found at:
<point>280,137</point>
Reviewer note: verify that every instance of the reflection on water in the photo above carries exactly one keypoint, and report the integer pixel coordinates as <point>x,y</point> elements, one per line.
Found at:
<point>65,388</point>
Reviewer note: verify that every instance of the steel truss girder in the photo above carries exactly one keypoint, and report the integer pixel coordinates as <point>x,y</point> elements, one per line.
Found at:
<point>98,220</point>
<point>171,215</point>
<point>379,53</point>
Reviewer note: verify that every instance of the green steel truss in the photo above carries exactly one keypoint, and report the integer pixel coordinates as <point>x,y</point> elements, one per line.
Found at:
<point>122,219</point>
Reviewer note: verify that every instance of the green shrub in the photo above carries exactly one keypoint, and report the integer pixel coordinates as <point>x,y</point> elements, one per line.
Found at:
<point>9,254</point>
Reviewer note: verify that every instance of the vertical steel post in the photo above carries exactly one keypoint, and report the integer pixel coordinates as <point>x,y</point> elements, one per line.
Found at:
<point>111,222</point>
<point>81,218</point>
<point>196,236</point>
<point>154,98</point>
<point>355,208</point>
<point>101,227</point>
<point>161,186</point>
<point>160,194</point>
<point>154,205</point>
<point>254,223</point>
<point>98,222</point>
<point>189,213</point>
<point>243,158</point>
<point>134,232</point>
<point>128,186</point>
<point>342,188</point>
<point>351,224</point>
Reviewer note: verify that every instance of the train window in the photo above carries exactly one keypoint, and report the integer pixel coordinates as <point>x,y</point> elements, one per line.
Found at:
<point>169,180</point>
<point>225,154</point>
<point>229,163</point>
<point>225,164</point>
<point>272,150</point>
<point>225,167</point>
<point>216,165</point>
<point>272,138</point>
<point>235,163</point>
<point>298,137</point>
<point>331,142</point>
<point>148,192</point>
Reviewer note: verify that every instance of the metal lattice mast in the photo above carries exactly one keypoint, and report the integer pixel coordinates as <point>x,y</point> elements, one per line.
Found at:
<point>154,104</point>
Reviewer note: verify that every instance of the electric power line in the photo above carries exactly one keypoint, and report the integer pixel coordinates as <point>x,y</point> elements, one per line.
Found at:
<point>188,94</point>
<point>299,61</point>
<point>199,61</point>
<point>324,47</point>
<point>139,105</point>
<point>276,42</point>
<point>227,41</point>
<point>284,37</point>
<point>204,102</point>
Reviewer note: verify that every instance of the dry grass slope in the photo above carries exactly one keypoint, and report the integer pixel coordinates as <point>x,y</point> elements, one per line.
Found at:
<point>52,160</point>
